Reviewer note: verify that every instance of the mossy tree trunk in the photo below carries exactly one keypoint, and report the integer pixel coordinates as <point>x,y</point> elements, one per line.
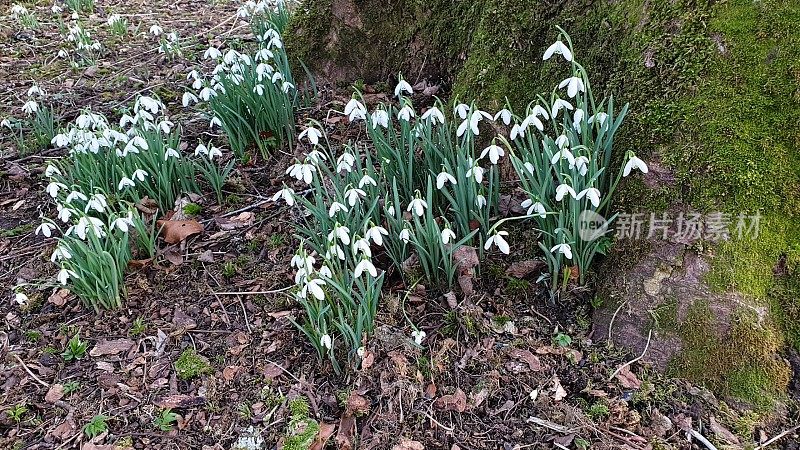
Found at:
<point>714,89</point>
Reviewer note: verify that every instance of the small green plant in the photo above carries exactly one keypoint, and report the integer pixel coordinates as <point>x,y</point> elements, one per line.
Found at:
<point>598,411</point>
<point>229,269</point>
<point>33,335</point>
<point>245,411</point>
<point>192,209</point>
<point>71,386</point>
<point>96,426</point>
<point>166,420</point>
<point>137,327</point>
<point>562,340</point>
<point>302,429</point>
<point>80,6</point>
<point>17,412</point>
<point>76,349</point>
<point>117,24</point>
<point>189,365</point>
<point>581,444</point>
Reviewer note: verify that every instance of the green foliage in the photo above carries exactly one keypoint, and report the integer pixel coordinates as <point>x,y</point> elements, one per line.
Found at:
<point>16,412</point>
<point>192,209</point>
<point>166,420</point>
<point>137,327</point>
<point>562,340</point>
<point>71,386</point>
<point>96,426</point>
<point>302,429</point>
<point>189,365</point>
<point>76,349</point>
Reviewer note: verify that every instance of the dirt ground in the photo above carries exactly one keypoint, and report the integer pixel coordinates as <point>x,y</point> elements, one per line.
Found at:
<point>495,372</point>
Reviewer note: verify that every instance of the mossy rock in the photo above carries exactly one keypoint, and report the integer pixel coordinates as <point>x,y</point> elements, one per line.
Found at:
<point>714,93</point>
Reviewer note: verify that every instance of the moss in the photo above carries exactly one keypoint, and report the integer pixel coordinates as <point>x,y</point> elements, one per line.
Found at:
<point>302,429</point>
<point>742,363</point>
<point>189,365</point>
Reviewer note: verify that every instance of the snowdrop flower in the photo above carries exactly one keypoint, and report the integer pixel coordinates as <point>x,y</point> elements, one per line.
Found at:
<point>51,170</point>
<point>529,167</point>
<point>573,85</point>
<point>365,265</point>
<point>537,110</point>
<point>563,154</point>
<point>335,208</point>
<point>461,110</point>
<point>402,86</point>
<point>53,188</point>
<point>148,104</point>
<point>124,183</point>
<point>634,163</point>
<point>21,299</point>
<point>55,9</point>
<point>444,178</point>
<point>171,153</point>
<point>577,118</point>
<point>287,194</point>
<point>380,117</point>
<point>474,120</point>
<point>418,336</point>
<point>316,156</point>
<point>355,110</point>
<point>312,135</point>
<point>302,171</point>
<point>563,249</point>
<point>334,250</point>
<point>60,253</point>
<point>558,48</point>
<point>418,205</point>
<point>140,174</point>
<point>405,113</point>
<point>494,151</point>
<point>361,351</point>
<point>480,201</point>
<point>562,141</point>
<point>532,208</point>
<point>564,189</point>
<point>62,53</point>
<point>156,30</point>
<point>258,89</point>
<point>560,104</point>
<point>474,171</point>
<point>516,131</point>
<point>123,223</point>
<point>212,53</point>
<point>505,115</point>
<point>345,162</point>
<point>326,341</point>
<point>599,118</point>
<point>592,194</point>
<point>64,214</point>
<point>376,233</point>
<point>405,235</point>
<point>315,288</point>
<point>215,122</point>
<point>45,229</point>
<point>447,236</point>
<point>340,232</point>
<point>498,240</point>
<point>35,90</point>
<point>97,202</point>
<point>362,246</point>
<point>582,164</point>
<point>30,107</point>
<point>7,123</point>
<point>366,180</point>
<point>354,195</point>
<point>75,195</point>
<point>64,275</point>
<point>434,114</point>
<point>206,93</point>
<point>532,120</point>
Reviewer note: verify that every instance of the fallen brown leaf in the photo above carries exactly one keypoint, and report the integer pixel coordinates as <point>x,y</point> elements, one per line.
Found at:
<point>408,444</point>
<point>244,219</point>
<point>175,231</point>
<point>111,347</point>
<point>526,356</point>
<point>59,298</point>
<point>628,379</point>
<point>454,402</point>
<point>54,394</point>
<point>722,432</point>
<point>559,393</point>
<point>325,433</point>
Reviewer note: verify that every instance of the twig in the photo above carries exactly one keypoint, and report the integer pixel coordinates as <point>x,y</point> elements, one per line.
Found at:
<point>649,335</point>
<point>611,324</point>
<point>274,291</point>
<point>244,310</point>
<point>702,439</point>
<point>776,438</point>
<point>22,363</point>
<point>434,420</point>
<point>551,425</point>
<point>285,371</point>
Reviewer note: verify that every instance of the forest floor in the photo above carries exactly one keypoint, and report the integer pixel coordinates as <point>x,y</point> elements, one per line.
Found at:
<point>505,368</point>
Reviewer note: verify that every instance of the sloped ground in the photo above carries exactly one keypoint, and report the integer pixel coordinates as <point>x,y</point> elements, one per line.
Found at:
<point>491,373</point>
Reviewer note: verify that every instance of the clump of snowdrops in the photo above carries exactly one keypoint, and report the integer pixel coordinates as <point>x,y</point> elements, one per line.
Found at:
<point>85,50</point>
<point>428,189</point>
<point>250,96</point>
<point>563,156</point>
<point>23,16</point>
<point>108,170</point>
<point>39,125</point>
